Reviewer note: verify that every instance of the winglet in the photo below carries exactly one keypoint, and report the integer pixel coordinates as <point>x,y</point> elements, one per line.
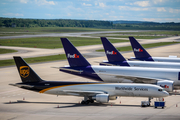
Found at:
<point>74,57</point>
<point>139,51</point>
<point>112,53</point>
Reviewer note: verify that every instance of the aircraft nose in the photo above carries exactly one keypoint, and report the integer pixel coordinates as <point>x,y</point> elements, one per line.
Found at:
<point>166,93</point>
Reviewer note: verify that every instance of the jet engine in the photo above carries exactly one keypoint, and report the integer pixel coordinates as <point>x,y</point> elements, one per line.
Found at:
<point>103,98</point>
<point>166,85</point>
<point>112,97</point>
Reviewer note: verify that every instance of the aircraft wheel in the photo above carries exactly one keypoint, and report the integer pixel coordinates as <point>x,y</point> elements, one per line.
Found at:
<point>83,102</point>
<point>91,101</point>
<point>87,102</point>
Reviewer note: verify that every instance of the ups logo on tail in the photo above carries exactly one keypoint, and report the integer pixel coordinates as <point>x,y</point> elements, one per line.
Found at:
<point>24,71</point>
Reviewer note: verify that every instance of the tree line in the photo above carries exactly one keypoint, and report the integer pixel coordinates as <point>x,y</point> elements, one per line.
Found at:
<point>136,25</point>
<point>148,26</point>
<point>8,22</point>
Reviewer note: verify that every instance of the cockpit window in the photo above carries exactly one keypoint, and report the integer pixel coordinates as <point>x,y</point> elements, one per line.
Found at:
<point>160,90</point>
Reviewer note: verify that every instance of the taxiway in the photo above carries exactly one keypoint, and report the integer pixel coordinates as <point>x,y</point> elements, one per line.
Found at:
<point>19,104</point>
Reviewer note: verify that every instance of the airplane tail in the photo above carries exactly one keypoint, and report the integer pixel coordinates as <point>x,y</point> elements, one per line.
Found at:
<point>74,57</point>
<point>112,53</point>
<point>25,71</point>
<point>139,51</point>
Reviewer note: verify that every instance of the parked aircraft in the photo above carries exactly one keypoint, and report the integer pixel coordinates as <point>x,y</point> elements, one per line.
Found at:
<point>169,79</point>
<point>142,55</point>
<point>101,92</point>
<point>115,58</point>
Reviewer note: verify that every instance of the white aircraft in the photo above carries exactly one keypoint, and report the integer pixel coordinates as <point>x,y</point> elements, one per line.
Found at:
<point>115,58</point>
<point>142,55</point>
<point>101,92</point>
<point>169,79</point>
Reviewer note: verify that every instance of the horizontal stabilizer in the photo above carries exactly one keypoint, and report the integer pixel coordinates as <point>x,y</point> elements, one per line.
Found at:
<point>108,64</point>
<point>22,85</point>
<point>71,70</point>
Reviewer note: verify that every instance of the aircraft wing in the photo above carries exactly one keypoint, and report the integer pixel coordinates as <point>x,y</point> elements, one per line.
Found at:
<point>137,79</point>
<point>174,93</point>
<point>83,93</point>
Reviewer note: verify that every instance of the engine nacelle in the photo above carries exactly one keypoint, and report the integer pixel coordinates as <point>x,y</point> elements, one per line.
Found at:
<point>166,85</point>
<point>112,97</point>
<point>103,98</point>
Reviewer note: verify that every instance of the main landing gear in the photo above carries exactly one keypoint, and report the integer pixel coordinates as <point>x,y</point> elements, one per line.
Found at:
<point>86,101</point>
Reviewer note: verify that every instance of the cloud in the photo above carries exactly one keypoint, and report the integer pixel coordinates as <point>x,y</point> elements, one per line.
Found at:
<point>69,14</point>
<point>161,9</point>
<point>157,1</point>
<point>139,9</point>
<point>123,7</point>
<point>84,4</point>
<point>142,3</point>
<point>102,5</point>
<point>49,15</point>
<point>162,19</point>
<point>132,8</point>
<point>152,19</point>
<point>13,14</point>
<point>23,1</point>
<point>44,2</point>
<point>171,10</point>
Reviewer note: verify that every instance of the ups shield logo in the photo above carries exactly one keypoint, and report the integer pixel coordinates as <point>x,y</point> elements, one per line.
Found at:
<point>24,71</point>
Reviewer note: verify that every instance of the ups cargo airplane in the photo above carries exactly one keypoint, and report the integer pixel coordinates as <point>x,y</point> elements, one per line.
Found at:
<point>101,92</point>
<point>142,55</point>
<point>169,79</point>
<point>115,58</point>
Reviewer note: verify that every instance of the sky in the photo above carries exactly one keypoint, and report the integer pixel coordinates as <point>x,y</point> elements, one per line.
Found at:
<point>131,10</point>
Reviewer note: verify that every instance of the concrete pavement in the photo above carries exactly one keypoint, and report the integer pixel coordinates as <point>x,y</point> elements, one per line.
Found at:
<point>19,104</point>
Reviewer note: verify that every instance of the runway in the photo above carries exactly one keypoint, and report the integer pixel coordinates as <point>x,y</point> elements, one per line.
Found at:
<point>75,34</point>
<point>19,104</point>
<point>37,52</point>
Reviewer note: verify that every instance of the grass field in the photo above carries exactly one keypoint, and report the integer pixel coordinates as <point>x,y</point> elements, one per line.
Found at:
<point>3,51</point>
<point>62,56</point>
<point>34,60</point>
<point>153,32</point>
<point>137,37</point>
<point>129,48</point>
<point>43,30</point>
<point>52,42</point>
<point>145,33</point>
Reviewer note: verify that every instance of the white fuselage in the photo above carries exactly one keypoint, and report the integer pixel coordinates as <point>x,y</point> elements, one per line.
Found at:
<point>166,59</point>
<point>113,89</point>
<point>154,64</point>
<point>116,73</point>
